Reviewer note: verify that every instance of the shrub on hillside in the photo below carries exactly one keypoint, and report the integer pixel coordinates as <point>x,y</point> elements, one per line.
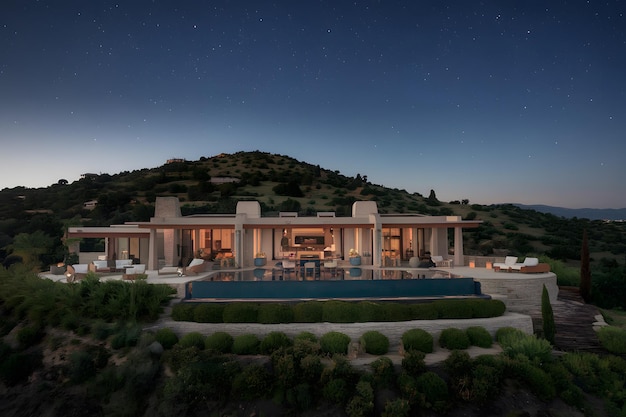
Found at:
<point>29,335</point>
<point>126,335</point>
<point>192,339</point>
<point>534,349</point>
<point>453,338</point>
<point>334,342</point>
<point>252,383</point>
<point>241,313</point>
<point>383,372</point>
<point>166,337</point>
<point>362,403</point>
<point>15,368</point>
<point>417,339</point>
<point>246,344</point>
<point>613,339</point>
<point>274,341</point>
<point>479,336</point>
<point>434,391</point>
<point>305,336</point>
<point>221,342</point>
<point>399,407</point>
<point>375,342</point>
<point>413,362</point>
<point>81,367</point>
<point>271,313</point>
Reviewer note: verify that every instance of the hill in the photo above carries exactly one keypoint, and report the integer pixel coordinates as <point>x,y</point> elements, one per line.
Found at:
<point>583,213</point>
<point>280,183</point>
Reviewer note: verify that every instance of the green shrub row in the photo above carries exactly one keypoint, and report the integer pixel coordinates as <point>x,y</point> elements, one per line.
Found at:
<point>335,311</point>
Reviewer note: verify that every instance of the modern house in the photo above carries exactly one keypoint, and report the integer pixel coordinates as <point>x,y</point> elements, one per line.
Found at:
<point>380,239</point>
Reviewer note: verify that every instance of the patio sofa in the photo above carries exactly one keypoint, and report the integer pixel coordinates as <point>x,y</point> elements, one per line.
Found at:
<point>107,266</point>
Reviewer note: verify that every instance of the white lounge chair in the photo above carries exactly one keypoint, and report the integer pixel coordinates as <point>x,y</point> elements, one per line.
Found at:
<point>527,262</point>
<point>509,261</point>
<point>440,262</point>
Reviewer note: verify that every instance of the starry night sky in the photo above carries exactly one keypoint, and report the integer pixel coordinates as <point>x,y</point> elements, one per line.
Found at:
<point>517,101</point>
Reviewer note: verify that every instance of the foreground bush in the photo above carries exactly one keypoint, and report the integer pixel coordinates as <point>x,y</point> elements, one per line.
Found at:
<point>274,341</point>
<point>241,313</point>
<point>166,337</point>
<point>334,342</point>
<point>221,342</point>
<point>246,344</point>
<point>613,339</point>
<point>193,339</point>
<point>453,338</point>
<point>417,339</point>
<point>375,342</point>
<point>479,336</point>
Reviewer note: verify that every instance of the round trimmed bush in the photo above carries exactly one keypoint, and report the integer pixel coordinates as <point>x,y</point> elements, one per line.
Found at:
<point>453,338</point>
<point>335,342</point>
<point>274,341</point>
<point>193,339</point>
<point>479,336</point>
<point>417,339</point>
<point>374,342</point>
<point>166,337</point>
<point>246,344</point>
<point>219,342</point>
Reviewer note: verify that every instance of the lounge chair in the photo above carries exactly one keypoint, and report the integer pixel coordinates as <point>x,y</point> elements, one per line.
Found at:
<point>195,266</point>
<point>509,261</point>
<point>440,262</point>
<point>530,265</point>
<point>134,272</point>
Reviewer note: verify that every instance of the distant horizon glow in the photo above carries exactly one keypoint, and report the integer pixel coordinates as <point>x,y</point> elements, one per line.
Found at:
<point>490,102</point>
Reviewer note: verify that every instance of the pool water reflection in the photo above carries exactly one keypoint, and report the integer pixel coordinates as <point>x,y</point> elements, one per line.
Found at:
<point>338,274</point>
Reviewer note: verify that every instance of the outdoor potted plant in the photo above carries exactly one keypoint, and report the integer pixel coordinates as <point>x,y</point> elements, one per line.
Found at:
<point>260,259</point>
<point>355,258</point>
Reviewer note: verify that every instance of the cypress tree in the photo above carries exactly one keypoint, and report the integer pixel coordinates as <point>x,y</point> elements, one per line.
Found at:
<point>585,271</point>
<point>549,327</point>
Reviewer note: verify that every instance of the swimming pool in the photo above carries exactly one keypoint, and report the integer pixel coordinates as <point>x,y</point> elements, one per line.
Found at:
<point>351,283</point>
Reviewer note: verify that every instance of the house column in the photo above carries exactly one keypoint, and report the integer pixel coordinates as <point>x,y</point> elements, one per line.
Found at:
<point>238,246</point>
<point>459,258</point>
<point>153,261</point>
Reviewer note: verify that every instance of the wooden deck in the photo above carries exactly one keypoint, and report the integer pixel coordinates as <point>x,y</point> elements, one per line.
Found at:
<point>574,323</point>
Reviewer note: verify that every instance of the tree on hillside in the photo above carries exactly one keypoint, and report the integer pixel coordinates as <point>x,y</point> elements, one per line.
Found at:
<point>31,246</point>
<point>585,271</point>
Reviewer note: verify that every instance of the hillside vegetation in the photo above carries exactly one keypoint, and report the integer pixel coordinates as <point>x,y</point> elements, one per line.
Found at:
<point>33,221</point>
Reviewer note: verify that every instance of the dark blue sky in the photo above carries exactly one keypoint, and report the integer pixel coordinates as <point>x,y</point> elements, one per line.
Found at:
<point>519,101</point>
